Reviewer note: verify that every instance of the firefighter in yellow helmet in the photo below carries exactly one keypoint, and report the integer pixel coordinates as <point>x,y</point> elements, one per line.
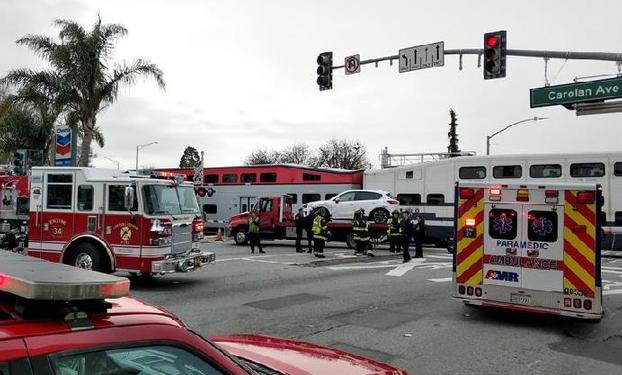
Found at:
<point>394,233</point>
<point>360,229</point>
<point>320,233</point>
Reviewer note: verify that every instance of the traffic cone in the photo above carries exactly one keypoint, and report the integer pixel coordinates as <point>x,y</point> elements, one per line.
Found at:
<point>219,236</point>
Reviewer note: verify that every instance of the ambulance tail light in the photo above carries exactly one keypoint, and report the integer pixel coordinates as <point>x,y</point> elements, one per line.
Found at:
<point>587,304</point>
<point>478,292</point>
<point>522,195</point>
<point>461,289</point>
<point>551,196</point>
<point>586,197</point>
<point>467,193</point>
<point>470,222</point>
<point>494,194</point>
<point>470,290</point>
<point>567,302</point>
<point>197,230</point>
<point>576,303</point>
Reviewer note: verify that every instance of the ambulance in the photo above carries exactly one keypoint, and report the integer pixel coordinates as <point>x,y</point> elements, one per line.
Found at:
<point>533,248</point>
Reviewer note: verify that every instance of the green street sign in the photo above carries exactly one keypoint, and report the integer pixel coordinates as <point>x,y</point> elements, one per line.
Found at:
<point>576,92</point>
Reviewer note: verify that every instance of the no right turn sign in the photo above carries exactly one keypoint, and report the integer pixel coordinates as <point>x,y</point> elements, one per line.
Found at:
<point>352,64</point>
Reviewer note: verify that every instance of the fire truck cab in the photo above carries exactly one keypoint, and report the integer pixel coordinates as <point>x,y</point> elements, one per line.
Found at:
<point>529,247</point>
<point>110,221</point>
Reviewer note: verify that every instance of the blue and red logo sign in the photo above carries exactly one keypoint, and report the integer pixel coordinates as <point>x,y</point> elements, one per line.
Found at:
<point>502,276</point>
<point>63,146</point>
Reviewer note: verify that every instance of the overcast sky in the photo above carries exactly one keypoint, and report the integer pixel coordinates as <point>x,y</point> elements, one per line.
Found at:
<point>241,74</point>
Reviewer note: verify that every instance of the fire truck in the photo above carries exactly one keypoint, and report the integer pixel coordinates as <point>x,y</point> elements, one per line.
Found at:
<point>14,208</point>
<point>533,248</point>
<point>110,221</point>
<point>276,222</point>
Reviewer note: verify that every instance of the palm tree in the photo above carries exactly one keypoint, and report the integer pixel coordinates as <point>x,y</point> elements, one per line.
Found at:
<point>81,76</point>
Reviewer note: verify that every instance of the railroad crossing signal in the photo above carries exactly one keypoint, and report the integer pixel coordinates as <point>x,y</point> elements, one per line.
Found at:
<point>325,71</point>
<point>495,54</point>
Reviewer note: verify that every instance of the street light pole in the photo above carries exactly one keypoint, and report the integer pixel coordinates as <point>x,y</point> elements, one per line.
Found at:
<point>114,161</point>
<point>140,147</point>
<point>489,137</point>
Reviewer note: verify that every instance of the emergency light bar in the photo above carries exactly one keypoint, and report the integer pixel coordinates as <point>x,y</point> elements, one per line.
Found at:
<point>36,279</point>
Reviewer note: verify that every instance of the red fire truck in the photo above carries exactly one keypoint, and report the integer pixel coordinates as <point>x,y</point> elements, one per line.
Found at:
<point>14,210</point>
<point>110,221</point>
<point>276,221</point>
<point>530,247</point>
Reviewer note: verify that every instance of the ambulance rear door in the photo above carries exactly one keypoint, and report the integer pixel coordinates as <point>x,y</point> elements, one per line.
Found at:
<point>541,247</point>
<point>501,231</point>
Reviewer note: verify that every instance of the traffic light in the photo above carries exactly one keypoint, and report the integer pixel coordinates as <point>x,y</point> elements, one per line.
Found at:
<point>325,71</point>
<point>17,164</point>
<point>494,54</point>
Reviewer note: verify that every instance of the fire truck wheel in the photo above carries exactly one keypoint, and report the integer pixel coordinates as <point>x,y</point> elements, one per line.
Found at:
<point>379,215</point>
<point>88,257</point>
<point>240,237</point>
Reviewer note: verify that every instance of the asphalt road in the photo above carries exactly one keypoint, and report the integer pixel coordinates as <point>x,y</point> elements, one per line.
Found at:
<point>398,314</point>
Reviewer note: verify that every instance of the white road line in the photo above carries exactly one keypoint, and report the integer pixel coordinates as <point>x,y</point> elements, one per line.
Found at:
<point>611,271</point>
<point>405,267</point>
<point>610,292</point>
<point>439,256</point>
<point>441,280</point>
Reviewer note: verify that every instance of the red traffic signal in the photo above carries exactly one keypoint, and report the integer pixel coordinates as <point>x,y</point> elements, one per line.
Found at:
<point>494,54</point>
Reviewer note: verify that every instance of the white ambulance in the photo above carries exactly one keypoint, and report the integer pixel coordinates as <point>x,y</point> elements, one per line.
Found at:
<point>529,247</point>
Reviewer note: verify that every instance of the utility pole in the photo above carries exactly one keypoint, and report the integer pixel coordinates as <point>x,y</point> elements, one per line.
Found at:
<point>489,137</point>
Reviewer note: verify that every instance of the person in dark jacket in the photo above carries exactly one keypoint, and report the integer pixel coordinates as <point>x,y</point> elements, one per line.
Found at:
<point>419,235</point>
<point>407,232</point>
<point>395,232</point>
<point>299,219</point>
<point>308,226</point>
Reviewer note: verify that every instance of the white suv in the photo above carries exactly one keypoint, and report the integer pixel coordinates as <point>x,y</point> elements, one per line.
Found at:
<point>377,205</point>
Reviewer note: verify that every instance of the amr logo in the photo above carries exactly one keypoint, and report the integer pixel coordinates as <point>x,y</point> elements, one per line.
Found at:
<point>502,276</point>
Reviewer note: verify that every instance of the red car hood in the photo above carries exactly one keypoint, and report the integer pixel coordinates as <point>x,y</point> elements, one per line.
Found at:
<point>298,358</point>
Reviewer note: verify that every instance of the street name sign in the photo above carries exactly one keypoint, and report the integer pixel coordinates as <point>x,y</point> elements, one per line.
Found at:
<point>352,64</point>
<point>422,57</point>
<point>580,92</point>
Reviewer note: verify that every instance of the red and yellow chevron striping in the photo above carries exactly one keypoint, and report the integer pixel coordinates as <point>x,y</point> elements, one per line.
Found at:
<point>470,251</point>
<point>579,246</point>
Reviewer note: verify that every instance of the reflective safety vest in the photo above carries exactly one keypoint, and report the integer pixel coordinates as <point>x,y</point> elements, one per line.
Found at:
<point>319,229</point>
<point>395,228</point>
<point>361,230</point>
<point>253,225</point>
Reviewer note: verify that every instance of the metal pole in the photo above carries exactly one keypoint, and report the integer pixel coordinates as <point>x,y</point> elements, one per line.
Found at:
<point>137,148</point>
<point>567,55</point>
<point>489,137</point>
<point>488,144</point>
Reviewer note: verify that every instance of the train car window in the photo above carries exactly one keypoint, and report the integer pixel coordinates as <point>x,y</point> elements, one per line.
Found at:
<point>329,195</point>
<point>410,174</point>
<point>229,178</point>
<point>308,198</point>
<point>211,179</point>
<point>294,197</point>
<point>210,208</point>
<point>435,199</point>
<point>311,177</point>
<point>618,218</point>
<point>267,177</point>
<point>472,173</point>
<point>249,177</point>
<point>587,170</point>
<point>409,199</point>
<point>617,169</point>
<point>507,171</point>
<point>545,171</point>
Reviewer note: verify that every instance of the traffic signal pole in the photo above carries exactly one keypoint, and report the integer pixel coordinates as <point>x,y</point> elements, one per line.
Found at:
<point>566,55</point>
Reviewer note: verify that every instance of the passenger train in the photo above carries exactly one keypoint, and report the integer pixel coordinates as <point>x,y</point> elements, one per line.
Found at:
<point>428,187</point>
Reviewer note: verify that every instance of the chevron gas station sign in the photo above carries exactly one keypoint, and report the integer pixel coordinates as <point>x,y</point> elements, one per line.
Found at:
<point>63,146</point>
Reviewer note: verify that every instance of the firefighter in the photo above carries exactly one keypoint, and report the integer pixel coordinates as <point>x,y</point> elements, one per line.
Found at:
<point>300,225</point>
<point>253,232</point>
<point>360,228</point>
<point>308,217</point>
<point>418,235</point>
<point>407,231</point>
<point>395,232</point>
<point>320,234</point>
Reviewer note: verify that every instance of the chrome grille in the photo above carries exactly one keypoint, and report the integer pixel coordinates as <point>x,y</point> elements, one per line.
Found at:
<point>182,238</point>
